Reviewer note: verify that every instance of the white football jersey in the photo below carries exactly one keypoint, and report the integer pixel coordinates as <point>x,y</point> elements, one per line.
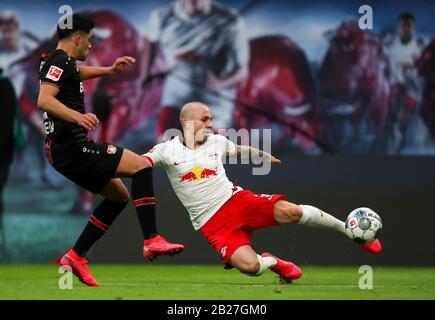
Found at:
<point>197,176</point>
<point>215,41</point>
<point>207,35</point>
<point>400,54</point>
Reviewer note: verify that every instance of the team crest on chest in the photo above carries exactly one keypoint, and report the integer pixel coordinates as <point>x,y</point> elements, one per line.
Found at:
<point>111,149</point>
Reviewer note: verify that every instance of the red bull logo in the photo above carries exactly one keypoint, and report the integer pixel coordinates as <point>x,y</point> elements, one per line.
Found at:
<point>198,174</point>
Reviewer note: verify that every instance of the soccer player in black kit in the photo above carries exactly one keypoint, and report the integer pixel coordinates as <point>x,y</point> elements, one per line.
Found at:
<point>95,167</point>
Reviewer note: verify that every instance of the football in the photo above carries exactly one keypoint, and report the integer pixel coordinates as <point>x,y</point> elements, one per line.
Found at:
<point>363,225</point>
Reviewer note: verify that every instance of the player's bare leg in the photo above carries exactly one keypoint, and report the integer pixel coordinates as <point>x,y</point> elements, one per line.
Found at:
<point>246,260</point>
<point>116,198</point>
<point>140,170</point>
<point>289,213</point>
<point>116,191</point>
<point>130,164</point>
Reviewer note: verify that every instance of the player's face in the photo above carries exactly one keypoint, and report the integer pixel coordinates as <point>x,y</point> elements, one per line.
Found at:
<point>406,29</point>
<point>10,35</point>
<point>84,44</point>
<point>195,7</point>
<point>203,124</point>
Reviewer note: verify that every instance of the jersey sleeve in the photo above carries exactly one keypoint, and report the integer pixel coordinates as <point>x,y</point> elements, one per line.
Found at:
<point>156,155</point>
<point>227,146</point>
<point>54,71</point>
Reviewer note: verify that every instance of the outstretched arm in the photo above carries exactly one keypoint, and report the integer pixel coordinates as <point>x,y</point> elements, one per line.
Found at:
<point>89,72</point>
<point>247,152</point>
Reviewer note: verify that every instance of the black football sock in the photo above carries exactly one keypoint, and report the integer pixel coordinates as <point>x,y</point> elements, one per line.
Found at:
<point>99,222</point>
<point>144,201</point>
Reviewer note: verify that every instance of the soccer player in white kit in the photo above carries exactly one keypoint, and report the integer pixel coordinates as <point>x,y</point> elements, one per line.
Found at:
<point>16,45</point>
<point>206,52</point>
<point>225,214</point>
<point>406,86</point>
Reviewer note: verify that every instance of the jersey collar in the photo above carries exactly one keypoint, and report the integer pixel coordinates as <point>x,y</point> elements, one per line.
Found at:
<point>186,147</point>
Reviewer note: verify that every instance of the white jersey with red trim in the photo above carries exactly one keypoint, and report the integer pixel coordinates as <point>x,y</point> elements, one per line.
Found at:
<point>402,58</point>
<point>197,176</point>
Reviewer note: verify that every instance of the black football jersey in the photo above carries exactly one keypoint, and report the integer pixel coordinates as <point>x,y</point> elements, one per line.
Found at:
<point>60,70</point>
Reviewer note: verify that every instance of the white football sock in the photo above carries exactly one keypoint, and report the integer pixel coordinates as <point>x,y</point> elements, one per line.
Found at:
<point>265,263</point>
<point>315,218</point>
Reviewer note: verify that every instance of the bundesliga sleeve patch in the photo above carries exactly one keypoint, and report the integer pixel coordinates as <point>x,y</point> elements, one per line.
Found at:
<point>54,73</point>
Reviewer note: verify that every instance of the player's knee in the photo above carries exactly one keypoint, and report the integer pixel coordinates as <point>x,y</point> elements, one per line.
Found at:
<point>295,213</point>
<point>124,196</point>
<point>291,213</point>
<point>250,266</point>
<point>132,163</point>
<point>121,195</point>
<point>287,212</point>
<point>142,163</point>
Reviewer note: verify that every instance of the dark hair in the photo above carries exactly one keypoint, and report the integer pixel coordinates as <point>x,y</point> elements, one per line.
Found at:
<point>8,18</point>
<point>406,16</point>
<point>80,22</point>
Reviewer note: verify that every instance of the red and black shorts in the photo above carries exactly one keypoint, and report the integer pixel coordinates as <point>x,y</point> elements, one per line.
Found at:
<point>90,165</point>
<point>231,227</point>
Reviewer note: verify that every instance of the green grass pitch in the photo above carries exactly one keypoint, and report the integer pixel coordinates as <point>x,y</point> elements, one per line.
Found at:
<point>185,282</point>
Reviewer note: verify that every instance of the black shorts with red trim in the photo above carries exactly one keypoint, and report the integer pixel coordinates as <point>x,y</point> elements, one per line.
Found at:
<point>90,165</point>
